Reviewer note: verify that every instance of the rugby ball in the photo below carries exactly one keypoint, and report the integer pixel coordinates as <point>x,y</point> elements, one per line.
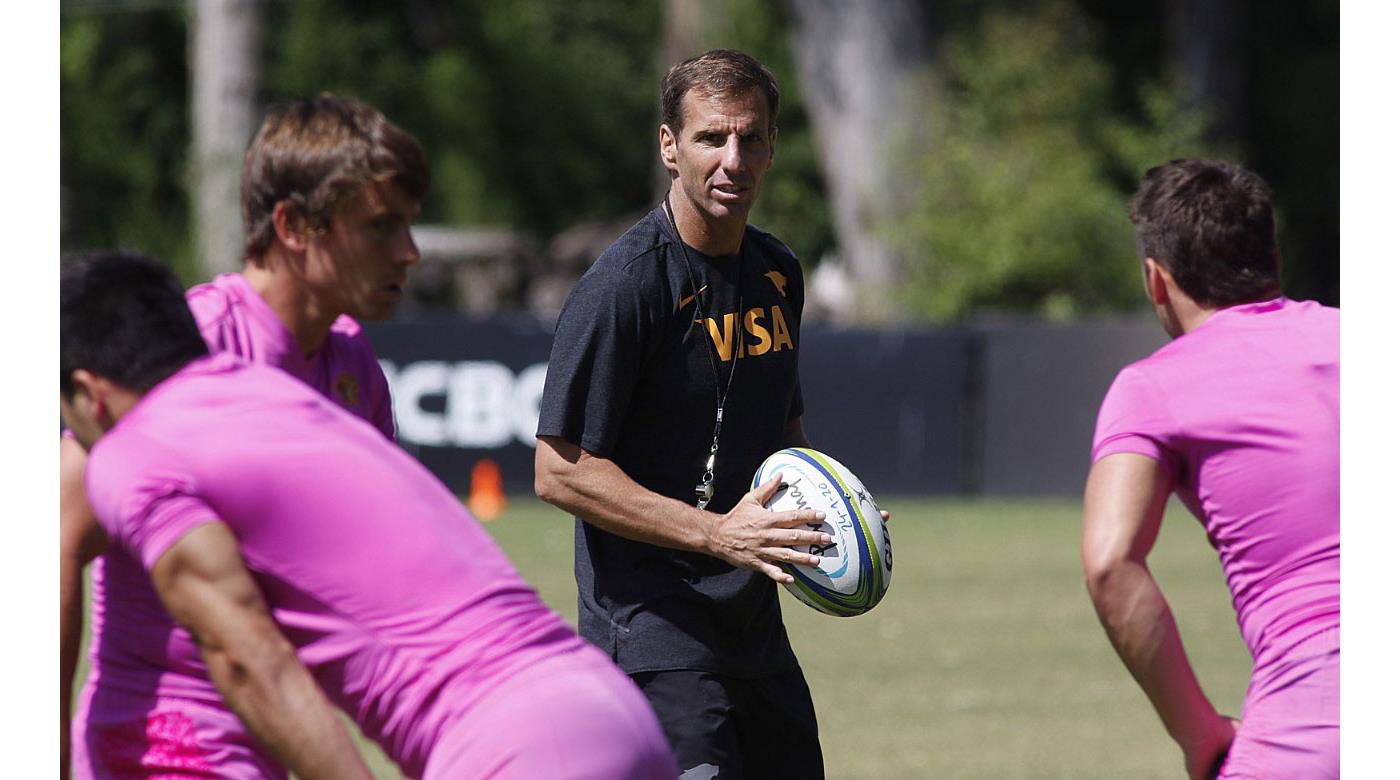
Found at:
<point>855,569</point>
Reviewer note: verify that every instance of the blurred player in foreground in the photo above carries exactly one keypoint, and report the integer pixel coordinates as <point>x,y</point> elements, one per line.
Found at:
<point>261,511</point>
<point>1239,416</point>
<point>330,187</point>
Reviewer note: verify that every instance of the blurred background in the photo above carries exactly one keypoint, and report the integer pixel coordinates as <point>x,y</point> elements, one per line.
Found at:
<point>953,175</point>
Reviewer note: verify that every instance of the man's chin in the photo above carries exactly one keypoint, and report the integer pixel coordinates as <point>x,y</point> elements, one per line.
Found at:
<point>732,209</point>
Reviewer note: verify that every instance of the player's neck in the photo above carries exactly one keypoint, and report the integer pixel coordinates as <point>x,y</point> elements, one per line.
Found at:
<point>1182,315</point>
<point>1195,318</point>
<point>712,236</point>
<point>307,321</point>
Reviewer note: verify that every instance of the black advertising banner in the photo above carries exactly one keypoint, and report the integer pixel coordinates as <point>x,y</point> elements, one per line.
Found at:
<point>466,392</point>
<point>891,405</point>
<point>1005,409</point>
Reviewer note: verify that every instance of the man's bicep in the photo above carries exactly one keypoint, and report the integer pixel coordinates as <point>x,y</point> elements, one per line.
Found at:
<point>204,584</point>
<point>1124,499</point>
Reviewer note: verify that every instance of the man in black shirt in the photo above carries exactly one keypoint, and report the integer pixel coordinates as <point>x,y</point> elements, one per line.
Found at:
<point>673,375</point>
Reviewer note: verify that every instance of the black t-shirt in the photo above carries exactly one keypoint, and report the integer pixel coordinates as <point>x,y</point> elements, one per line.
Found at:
<point>630,379</point>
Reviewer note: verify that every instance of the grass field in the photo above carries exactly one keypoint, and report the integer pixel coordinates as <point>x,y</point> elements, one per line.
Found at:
<point>985,659</point>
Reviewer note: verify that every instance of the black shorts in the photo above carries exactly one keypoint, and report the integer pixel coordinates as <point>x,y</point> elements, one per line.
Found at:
<point>728,728</point>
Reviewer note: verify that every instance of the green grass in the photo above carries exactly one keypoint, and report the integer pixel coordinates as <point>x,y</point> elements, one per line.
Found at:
<point>985,659</point>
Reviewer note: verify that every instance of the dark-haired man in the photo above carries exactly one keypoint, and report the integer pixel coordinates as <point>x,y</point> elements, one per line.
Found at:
<point>1239,416</point>
<point>330,187</point>
<point>258,508</point>
<point>673,375</point>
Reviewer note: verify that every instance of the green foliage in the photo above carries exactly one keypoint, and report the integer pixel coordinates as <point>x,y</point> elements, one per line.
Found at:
<point>793,205</point>
<point>535,115</point>
<point>124,135</point>
<point>1024,167</point>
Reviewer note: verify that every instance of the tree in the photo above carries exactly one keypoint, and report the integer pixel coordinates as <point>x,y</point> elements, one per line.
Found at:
<point>124,134</point>
<point>224,69</point>
<point>1024,165</point>
<point>860,65</point>
<point>535,115</point>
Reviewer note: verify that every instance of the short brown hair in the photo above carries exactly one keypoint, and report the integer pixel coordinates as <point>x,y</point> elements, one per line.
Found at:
<point>313,153</point>
<point>1211,223</point>
<point>723,72</point>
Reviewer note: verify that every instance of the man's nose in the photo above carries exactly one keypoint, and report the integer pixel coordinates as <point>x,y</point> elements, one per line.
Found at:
<point>408,253</point>
<point>732,160</point>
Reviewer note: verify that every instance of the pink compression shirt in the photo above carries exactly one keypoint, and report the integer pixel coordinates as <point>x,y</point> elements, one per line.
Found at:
<point>1244,413</point>
<point>136,649</point>
<point>402,606</point>
<point>235,319</point>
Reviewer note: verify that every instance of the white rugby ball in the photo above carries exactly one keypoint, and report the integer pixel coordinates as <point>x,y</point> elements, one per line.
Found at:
<point>855,569</point>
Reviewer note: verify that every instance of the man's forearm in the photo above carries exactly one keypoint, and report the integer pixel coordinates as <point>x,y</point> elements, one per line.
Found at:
<point>748,535</point>
<point>205,586</point>
<point>1140,625</point>
<point>596,490</point>
<point>265,684</point>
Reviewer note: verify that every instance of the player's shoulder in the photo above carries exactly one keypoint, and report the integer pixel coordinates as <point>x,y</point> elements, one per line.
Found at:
<point>214,300</point>
<point>774,248</point>
<point>635,262</point>
<point>1136,378</point>
<point>639,250</point>
<point>1320,313</point>
<point>163,414</point>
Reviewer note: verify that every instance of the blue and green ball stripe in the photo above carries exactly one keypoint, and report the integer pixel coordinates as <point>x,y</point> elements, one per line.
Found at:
<point>872,571</point>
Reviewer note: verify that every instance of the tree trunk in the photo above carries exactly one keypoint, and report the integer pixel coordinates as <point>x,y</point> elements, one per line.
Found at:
<point>1207,38</point>
<point>861,63</point>
<point>223,76</point>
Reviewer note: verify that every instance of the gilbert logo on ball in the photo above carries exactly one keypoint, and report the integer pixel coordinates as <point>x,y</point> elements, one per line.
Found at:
<point>855,569</point>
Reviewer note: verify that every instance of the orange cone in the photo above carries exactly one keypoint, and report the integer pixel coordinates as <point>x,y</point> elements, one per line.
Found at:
<point>486,500</point>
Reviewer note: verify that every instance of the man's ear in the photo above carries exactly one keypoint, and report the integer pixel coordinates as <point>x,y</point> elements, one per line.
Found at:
<point>90,393</point>
<point>668,148</point>
<point>1158,280</point>
<point>291,226</point>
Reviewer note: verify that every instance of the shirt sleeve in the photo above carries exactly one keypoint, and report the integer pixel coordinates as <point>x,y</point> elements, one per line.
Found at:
<point>213,314</point>
<point>599,345</point>
<point>1134,418</point>
<point>145,508</point>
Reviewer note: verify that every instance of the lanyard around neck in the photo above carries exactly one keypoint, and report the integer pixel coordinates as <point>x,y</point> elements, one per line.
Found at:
<point>705,489</point>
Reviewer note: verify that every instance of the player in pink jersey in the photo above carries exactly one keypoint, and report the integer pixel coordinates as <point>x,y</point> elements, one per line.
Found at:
<point>329,189</point>
<point>259,509</point>
<point>1239,416</point>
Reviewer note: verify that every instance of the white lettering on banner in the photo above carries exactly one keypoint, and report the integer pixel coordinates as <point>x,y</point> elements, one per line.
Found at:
<point>478,404</point>
<point>485,404</point>
<point>529,392</point>
<point>407,389</point>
